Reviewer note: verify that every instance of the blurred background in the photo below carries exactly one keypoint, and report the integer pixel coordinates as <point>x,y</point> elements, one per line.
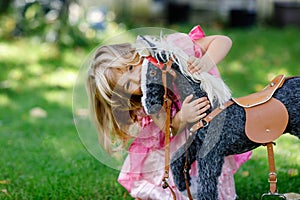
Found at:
<point>43,45</point>
<point>81,19</point>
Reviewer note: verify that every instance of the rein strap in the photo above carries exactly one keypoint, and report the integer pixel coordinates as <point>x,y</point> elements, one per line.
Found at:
<point>204,122</point>
<point>167,103</point>
<point>167,106</point>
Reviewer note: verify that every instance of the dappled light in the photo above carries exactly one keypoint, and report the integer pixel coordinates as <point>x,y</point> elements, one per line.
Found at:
<point>4,100</point>
<point>61,78</point>
<point>61,146</point>
<point>59,97</point>
<point>41,54</point>
<point>36,91</point>
<point>27,51</point>
<point>235,67</point>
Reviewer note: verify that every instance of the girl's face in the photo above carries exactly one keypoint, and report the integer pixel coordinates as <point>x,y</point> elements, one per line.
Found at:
<point>129,79</point>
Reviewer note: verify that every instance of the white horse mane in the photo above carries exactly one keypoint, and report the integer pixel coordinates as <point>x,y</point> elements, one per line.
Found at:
<point>216,89</point>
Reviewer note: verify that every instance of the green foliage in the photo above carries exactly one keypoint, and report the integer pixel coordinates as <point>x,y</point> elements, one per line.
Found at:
<point>47,21</point>
<point>42,156</point>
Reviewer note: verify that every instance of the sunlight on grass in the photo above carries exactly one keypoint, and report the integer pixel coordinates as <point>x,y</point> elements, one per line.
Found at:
<point>28,51</point>
<point>276,72</point>
<point>9,51</point>
<point>284,150</point>
<point>15,74</point>
<point>60,97</point>
<point>62,146</point>
<point>35,76</point>
<point>287,159</point>
<point>287,148</point>
<point>235,66</point>
<point>35,69</point>
<point>258,87</point>
<point>61,77</point>
<point>73,58</point>
<point>4,100</point>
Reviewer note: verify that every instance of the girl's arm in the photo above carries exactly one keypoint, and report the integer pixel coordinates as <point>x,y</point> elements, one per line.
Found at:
<point>217,46</point>
<point>214,49</point>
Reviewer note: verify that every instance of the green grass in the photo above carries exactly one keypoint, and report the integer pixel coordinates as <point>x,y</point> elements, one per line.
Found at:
<point>42,156</point>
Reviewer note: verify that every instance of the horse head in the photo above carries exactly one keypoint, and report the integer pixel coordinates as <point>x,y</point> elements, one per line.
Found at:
<point>153,87</point>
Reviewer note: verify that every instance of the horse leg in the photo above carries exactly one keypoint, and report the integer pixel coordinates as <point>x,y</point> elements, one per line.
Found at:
<point>178,162</point>
<point>209,169</point>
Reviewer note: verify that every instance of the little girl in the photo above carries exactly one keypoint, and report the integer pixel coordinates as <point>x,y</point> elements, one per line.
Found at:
<point>115,96</point>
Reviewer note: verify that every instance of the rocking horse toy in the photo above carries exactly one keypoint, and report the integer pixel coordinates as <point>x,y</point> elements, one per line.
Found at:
<point>232,127</point>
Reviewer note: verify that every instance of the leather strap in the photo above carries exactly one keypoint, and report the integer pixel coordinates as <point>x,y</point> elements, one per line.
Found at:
<point>272,174</point>
<point>167,103</point>
<point>185,171</point>
<point>204,122</point>
<point>262,96</point>
<point>167,106</point>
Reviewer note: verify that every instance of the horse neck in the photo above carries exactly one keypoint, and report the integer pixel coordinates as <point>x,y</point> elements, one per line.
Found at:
<point>203,85</point>
<point>186,86</point>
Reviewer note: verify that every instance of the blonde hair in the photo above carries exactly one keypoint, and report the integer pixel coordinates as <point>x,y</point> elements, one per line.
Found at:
<point>106,98</point>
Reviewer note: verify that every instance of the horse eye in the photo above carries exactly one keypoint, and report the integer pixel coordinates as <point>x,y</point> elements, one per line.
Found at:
<point>127,85</point>
<point>130,68</point>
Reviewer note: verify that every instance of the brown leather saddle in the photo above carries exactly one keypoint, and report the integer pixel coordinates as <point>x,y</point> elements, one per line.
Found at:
<point>266,117</point>
<point>266,120</point>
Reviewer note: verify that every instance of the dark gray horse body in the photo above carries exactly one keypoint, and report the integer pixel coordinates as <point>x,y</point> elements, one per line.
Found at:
<point>224,135</point>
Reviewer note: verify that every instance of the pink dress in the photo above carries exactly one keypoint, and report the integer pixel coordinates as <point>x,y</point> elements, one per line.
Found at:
<point>143,168</point>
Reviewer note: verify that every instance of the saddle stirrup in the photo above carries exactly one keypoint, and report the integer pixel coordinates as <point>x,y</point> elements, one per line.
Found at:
<point>272,175</point>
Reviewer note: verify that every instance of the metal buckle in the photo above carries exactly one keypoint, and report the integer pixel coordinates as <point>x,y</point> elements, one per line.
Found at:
<point>165,184</point>
<point>269,194</point>
<point>171,132</point>
<point>205,123</point>
<point>272,173</point>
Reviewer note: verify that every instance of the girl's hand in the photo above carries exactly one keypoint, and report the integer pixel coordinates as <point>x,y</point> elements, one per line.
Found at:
<point>198,65</point>
<point>192,111</point>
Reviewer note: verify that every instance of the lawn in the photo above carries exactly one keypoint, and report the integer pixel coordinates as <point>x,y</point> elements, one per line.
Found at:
<point>42,156</point>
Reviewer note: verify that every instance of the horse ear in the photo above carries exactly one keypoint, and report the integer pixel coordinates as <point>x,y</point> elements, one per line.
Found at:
<point>144,46</point>
<point>152,88</point>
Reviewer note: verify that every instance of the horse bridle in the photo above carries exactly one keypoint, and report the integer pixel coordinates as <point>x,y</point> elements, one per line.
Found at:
<point>167,103</point>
